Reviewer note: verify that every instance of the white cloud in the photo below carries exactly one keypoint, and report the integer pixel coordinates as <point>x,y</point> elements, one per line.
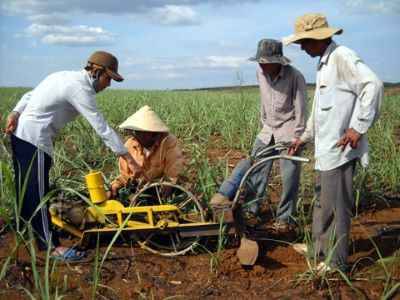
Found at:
<point>225,61</point>
<point>48,19</point>
<point>69,40</point>
<point>70,35</point>
<point>374,6</point>
<point>179,67</point>
<point>115,7</point>
<point>175,15</point>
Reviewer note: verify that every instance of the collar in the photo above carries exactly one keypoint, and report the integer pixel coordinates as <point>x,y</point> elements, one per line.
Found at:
<point>328,51</point>
<point>89,80</point>
<point>280,75</point>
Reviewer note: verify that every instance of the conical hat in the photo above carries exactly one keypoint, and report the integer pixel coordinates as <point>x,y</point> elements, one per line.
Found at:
<point>145,119</point>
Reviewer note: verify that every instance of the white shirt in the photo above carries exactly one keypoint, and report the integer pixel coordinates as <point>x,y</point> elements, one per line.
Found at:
<point>347,95</point>
<point>57,100</point>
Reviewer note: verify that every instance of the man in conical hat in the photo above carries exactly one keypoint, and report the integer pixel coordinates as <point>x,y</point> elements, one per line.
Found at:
<point>346,103</point>
<point>151,145</point>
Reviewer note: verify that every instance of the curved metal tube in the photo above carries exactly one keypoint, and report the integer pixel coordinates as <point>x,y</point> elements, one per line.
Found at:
<point>261,161</point>
<point>266,150</point>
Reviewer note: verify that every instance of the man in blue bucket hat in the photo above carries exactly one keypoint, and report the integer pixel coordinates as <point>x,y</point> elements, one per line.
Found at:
<point>282,115</point>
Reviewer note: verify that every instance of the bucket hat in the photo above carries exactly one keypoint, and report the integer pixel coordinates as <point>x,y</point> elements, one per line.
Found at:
<point>311,26</point>
<point>108,61</point>
<point>145,119</point>
<point>269,51</point>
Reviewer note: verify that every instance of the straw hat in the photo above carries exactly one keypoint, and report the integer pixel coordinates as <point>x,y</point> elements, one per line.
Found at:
<point>145,119</point>
<point>270,51</point>
<point>311,26</point>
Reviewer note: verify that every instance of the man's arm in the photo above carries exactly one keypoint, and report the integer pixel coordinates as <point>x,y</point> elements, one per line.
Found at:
<point>369,92</point>
<point>299,103</point>
<point>12,118</point>
<point>262,109</point>
<point>125,175</point>
<point>308,134</point>
<point>86,106</point>
<point>20,107</point>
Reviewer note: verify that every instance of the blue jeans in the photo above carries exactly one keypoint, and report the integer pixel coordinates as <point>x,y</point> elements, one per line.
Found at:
<point>257,181</point>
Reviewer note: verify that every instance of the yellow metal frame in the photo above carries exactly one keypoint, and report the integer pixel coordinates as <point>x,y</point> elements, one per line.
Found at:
<point>115,208</point>
<point>101,210</point>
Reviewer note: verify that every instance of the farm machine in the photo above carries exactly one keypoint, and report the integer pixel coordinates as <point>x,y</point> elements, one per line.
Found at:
<point>167,225</point>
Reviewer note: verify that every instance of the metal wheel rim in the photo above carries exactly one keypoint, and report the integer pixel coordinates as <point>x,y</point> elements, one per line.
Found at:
<point>156,248</point>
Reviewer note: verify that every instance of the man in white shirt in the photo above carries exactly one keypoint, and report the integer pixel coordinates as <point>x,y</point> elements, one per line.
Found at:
<point>347,101</point>
<point>35,121</point>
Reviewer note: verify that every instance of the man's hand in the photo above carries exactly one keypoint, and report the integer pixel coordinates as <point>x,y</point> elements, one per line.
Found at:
<point>295,146</point>
<point>351,137</point>
<point>12,122</point>
<point>112,194</point>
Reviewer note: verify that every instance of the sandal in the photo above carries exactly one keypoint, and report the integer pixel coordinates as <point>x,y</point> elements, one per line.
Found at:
<point>69,255</point>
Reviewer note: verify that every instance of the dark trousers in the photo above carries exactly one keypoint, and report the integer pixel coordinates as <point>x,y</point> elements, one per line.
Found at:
<point>332,213</point>
<point>33,165</point>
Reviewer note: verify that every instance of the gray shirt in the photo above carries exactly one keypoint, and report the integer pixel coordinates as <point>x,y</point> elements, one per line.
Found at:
<point>57,100</point>
<point>283,104</point>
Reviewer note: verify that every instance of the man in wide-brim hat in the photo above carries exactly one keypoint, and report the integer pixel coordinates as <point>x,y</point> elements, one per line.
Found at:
<point>34,123</point>
<point>282,99</point>
<point>156,150</point>
<point>346,104</point>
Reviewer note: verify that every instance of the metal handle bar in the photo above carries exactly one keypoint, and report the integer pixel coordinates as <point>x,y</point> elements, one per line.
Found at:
<point>276,147</point>
<point>288,157</point>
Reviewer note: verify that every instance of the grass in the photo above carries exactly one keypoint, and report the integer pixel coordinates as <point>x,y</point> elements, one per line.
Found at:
<point>202,120</point>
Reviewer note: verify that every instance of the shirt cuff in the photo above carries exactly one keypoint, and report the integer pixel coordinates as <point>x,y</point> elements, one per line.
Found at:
<point>18,109</point>
<point>122,151</point>
<point>360,126</point>
<point>306,138</point>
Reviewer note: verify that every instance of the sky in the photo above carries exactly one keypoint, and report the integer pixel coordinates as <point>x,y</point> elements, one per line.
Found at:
<point>183,44</point>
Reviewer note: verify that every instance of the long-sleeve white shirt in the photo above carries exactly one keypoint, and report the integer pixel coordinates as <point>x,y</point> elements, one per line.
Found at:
<point>57,100</point>
<point>347,95</point>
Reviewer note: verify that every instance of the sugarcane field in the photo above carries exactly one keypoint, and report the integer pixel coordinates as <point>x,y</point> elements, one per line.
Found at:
<point>121,269</point>
<point>199,149</point>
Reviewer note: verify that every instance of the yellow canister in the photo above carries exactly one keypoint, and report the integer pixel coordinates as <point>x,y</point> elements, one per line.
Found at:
<point>95,185</point>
